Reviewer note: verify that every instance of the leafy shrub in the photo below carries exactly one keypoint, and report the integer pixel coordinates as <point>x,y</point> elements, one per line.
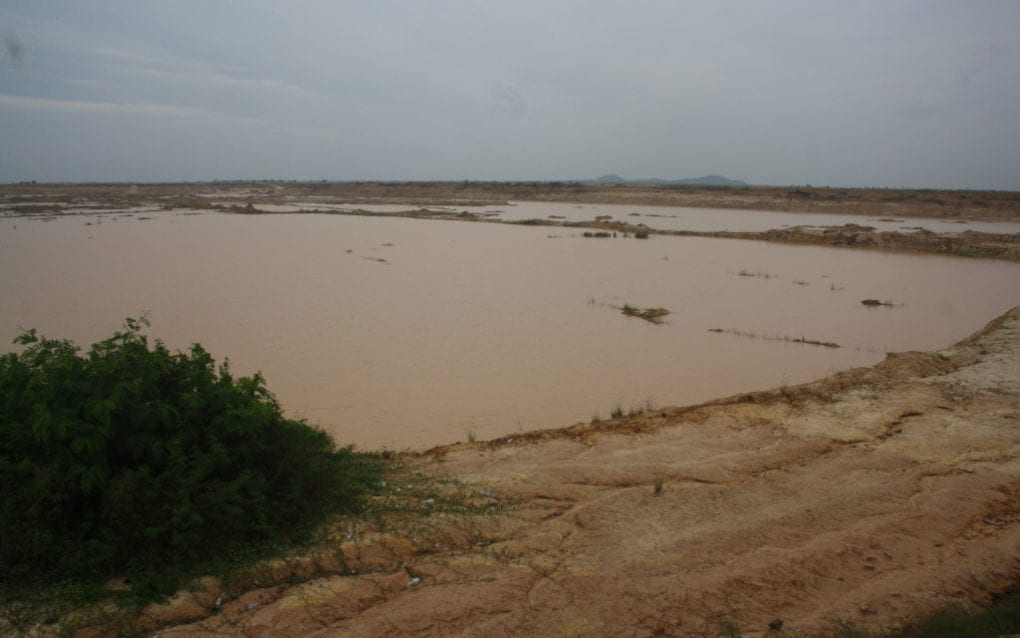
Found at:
<point>128,459</point>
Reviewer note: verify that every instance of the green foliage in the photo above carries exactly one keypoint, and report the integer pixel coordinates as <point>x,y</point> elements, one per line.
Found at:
<point>729,630</point>
<point>1001,619</point>
<point>130,459</point>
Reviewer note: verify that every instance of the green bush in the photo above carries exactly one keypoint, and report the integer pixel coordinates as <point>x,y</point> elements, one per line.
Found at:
<point>130,459</point>
<point>1000,619</point>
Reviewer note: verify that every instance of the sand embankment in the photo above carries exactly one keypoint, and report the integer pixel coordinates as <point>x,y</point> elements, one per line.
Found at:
<point>872,498</point>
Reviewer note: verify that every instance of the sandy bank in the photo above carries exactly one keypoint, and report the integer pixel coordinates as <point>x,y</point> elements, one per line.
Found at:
<point>873,498</point>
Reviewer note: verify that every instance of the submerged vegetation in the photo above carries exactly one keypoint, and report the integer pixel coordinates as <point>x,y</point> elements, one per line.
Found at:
<point>787,338</point>
<point>653,315</point>
<point>129,461</point>
<point>875,302</point>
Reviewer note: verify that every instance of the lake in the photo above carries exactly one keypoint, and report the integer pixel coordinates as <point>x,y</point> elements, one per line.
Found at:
<point>403,333</point>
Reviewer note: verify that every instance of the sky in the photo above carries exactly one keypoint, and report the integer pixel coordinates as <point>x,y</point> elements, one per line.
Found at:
<point>884,93</point>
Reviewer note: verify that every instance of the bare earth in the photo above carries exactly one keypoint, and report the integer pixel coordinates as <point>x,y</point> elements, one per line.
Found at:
<point>872,498</point>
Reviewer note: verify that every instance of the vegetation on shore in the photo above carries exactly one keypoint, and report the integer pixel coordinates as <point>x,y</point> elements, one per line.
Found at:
<point>1002,618</point>
<point>131,462</point>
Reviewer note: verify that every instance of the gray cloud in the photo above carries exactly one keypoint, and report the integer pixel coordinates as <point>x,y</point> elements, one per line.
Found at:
<point>189,72</point>
<point>13,47</point>
<point>158,111</point>
<point>510,102</point>
<point>875,93</point>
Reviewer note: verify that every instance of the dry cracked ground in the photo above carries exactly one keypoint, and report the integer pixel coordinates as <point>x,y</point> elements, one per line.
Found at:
<point>869,499</point>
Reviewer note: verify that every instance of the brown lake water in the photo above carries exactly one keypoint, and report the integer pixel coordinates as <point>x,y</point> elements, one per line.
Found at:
<point>668,217</point>
<point>401,333</point>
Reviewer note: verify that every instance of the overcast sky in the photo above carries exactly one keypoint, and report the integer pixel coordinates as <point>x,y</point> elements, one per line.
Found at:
<point>913,93</point>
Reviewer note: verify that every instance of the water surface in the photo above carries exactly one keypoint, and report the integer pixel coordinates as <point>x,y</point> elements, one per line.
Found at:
<point>409,333</point>
<point>670,217</point>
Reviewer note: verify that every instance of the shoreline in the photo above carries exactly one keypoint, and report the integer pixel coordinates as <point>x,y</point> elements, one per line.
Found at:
<point>892,202</point>
<point>871,498</point>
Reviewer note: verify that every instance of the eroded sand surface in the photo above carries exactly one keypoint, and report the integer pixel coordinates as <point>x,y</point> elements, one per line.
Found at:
<point>873,498</point>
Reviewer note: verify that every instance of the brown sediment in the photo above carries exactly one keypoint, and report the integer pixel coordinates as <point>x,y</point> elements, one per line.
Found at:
<point>871,498</point>
<point>875,203</point>
<point>965,244</point>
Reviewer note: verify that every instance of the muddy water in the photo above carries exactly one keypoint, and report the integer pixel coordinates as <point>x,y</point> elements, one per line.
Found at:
<point>669,217</point>
<point>409,333</point>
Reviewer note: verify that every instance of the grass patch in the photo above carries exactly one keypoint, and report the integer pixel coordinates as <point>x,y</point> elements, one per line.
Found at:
<point>729,630</point>
<point>635,410</point>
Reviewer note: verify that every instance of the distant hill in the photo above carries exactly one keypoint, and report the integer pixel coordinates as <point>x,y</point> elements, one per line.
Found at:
<point>707,180</point>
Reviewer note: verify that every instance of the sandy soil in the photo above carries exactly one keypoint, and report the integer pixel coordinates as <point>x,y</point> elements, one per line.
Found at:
<point>872,498</point>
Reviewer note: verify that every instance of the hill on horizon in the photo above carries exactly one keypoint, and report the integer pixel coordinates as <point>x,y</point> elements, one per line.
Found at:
<point>705,180</point>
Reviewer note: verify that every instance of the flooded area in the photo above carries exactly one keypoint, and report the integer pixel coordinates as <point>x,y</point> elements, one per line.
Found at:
<point>665,217</point>
<point>402,333</point>
<point>715,219</point>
